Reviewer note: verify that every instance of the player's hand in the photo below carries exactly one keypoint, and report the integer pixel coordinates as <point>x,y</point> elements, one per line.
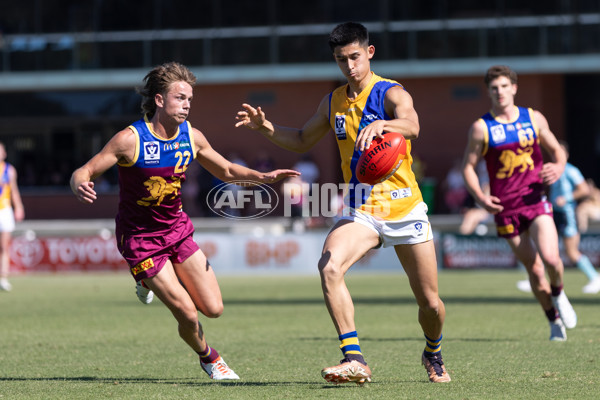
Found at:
<point>550,173</point>
<point>368,133</point>
<point>492,204</point>
<point>253,118</point>
<point>561,201</point>
<point>85,192</point>
<point>279,174</point>
<point>19,214</point>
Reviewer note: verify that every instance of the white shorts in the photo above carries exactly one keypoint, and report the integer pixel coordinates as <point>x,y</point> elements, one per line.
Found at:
<point>7,220</point>
<point>412,229</point>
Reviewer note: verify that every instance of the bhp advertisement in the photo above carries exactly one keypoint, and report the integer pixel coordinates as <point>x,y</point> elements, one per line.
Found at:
<point>270,254</point>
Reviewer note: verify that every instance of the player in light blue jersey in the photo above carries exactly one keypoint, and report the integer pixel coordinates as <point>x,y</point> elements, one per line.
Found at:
<point>570,188</point>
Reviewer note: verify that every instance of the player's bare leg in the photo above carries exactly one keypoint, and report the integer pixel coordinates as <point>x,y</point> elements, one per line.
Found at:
<point>544,234</point>
<point>200,281</point>
<point>527,253</point>
<point>201,292</point>
<point>4,261</point>
<point>419,262</point>
<point>347,243</point>
<point>167,288</point>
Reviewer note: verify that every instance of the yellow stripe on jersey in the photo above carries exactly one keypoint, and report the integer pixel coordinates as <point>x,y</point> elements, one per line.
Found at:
<point>486,138</point>
<point>192,141</point>
<point>136,153</point>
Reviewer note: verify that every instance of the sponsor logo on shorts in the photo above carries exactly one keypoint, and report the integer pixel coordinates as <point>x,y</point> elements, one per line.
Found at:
<point>143,266</point>
<point>506,229</point>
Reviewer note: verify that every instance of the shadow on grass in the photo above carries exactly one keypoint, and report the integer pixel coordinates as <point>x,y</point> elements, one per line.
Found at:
<point>408,339</point>
<point>183,382</point>
<point>403,300</point>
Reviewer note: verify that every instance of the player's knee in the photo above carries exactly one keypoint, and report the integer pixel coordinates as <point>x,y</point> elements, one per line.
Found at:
<point>329,268</point>
<point>214,310</point>
<point>552,261</point>
<point>431,305</point>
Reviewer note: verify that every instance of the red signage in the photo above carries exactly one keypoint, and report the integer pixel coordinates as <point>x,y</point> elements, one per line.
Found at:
<point>54,254</point>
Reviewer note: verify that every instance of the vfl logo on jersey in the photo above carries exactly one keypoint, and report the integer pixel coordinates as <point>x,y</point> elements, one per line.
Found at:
<point>340,127</point>
<point>151,152</point>
<point>498,134</point>
<point>511,161</point>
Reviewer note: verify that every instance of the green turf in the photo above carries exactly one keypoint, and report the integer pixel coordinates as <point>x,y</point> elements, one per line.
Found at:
<point>87,337</point>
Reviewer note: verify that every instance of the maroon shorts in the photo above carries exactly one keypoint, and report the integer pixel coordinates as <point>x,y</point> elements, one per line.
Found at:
<point>146,255</point>
<point>513,223</point>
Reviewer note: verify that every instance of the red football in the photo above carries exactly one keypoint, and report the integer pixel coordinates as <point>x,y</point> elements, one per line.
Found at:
<point>381,159</point>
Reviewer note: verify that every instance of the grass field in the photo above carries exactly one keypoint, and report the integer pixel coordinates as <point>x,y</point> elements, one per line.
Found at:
<point>87,337</point>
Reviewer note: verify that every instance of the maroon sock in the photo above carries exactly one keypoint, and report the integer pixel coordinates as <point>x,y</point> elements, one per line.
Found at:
<point>551,314</point>
<point>209,356</point>
<point>556,290</point>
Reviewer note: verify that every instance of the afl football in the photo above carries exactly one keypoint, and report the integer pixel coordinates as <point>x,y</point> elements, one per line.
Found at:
<point>381,159</point>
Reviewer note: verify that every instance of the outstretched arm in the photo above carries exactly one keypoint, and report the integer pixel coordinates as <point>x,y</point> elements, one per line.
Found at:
<point>120,147</point>
<point>227,171</point>
<point>298,140</point>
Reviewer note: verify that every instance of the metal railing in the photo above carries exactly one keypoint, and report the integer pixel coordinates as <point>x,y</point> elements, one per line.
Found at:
<point>531,37</point>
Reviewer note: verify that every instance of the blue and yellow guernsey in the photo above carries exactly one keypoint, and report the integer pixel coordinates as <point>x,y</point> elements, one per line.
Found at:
<point>394,198</point>
<point>5,195</point>
<point>150,185</point>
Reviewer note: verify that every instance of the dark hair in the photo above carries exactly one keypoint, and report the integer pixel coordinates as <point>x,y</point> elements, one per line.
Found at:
<point>347,33</point>
<point>158,81</point>
<point>497,71</point>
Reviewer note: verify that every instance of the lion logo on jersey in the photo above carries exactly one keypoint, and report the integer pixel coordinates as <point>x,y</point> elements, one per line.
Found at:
<point>511,161</point>
<point>159,189</point>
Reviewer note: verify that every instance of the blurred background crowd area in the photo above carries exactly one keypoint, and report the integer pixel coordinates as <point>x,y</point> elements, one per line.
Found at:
<point>68,70</point>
